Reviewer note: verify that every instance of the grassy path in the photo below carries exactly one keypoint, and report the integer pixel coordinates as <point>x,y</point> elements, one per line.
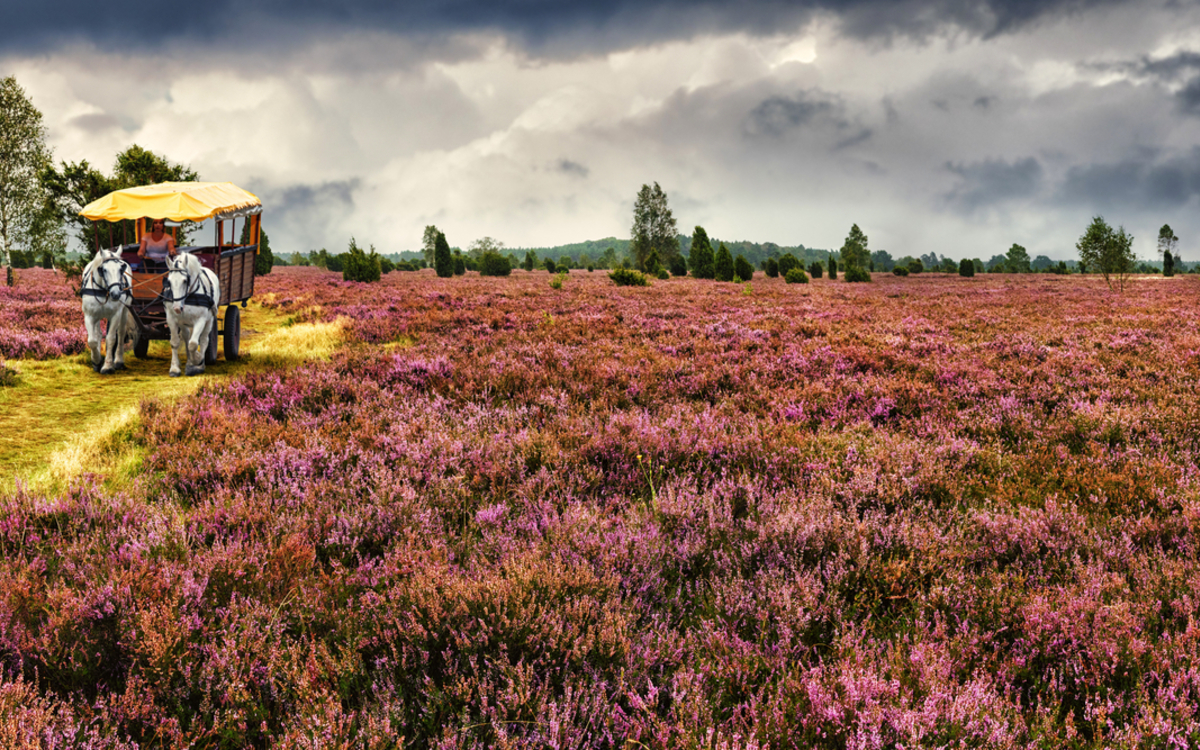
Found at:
<point>62,419</point>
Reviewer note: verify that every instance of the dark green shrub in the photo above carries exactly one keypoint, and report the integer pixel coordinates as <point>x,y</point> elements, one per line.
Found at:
<point>492,263</point>
<point>915,266</point>
<point>771,268</point>
<point>562,268</point>
<point>550,265</point>
<point>679,265</point>
<point>723,265</point>
<point>443,260</point>
<point>796,276</point>
<point>460,265</point>
<point>856,274</point>
<point>743,269</point>
<point>900,270</point>
<point>787,263</point>
<point>386,265</point>
<point>335,263</point>
<point>628,277</point>
<point>404,265</point>
<point>816,269</point>
<point>357,265</point>
<point>663,273</point>
<point>833,268</point>
<point>966,267</point>
<point>530,260</point>
<point>701,257</point>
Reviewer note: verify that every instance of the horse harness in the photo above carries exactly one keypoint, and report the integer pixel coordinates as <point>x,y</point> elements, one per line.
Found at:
<point>105,288</point>
<point>199,290</point>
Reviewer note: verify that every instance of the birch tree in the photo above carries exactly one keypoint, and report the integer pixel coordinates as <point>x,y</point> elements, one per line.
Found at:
<point>23,155</point>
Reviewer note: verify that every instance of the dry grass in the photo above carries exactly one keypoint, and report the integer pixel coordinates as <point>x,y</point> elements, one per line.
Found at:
<point>61,420</point>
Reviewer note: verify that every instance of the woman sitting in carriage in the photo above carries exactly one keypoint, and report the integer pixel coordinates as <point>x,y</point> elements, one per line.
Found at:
<point>156,247</point>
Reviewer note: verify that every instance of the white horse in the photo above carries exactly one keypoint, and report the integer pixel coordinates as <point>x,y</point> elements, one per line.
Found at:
<point>191,295</point>
<point>105,288</point>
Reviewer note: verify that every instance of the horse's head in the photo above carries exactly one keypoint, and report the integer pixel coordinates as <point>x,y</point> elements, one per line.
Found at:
<point>109,271</point>
<point>181,271</point>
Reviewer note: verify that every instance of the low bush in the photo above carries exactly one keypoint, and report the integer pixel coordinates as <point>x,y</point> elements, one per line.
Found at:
<point>742,268</point>
<point>787,263</point>
<point>816,269</point>
<point>357,265</point>
<point>771,268</point>
<point>856,274</point>
<point>796,276</point>
<point>900,270</point>
<point>966,268</point>
<point>628,277</point>
<point>494,264</point>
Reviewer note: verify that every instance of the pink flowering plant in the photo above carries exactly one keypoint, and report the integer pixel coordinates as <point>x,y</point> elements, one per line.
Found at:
<point>924,512</point>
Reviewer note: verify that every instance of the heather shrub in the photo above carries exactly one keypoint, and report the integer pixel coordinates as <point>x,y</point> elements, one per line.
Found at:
<point>796,276</point>
<point>628,277</point>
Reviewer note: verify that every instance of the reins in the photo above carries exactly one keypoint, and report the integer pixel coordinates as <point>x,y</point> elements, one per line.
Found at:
<point>104,289</point>
<point>198,289</point>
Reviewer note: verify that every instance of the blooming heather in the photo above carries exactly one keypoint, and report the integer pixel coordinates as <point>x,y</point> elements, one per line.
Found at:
<point>925,512</point>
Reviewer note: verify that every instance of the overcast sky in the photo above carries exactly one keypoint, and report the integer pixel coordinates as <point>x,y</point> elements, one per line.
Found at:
<point>934,125</point>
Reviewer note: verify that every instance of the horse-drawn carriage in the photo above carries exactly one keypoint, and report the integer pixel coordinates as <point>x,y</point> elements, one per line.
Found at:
<point>231,257</point>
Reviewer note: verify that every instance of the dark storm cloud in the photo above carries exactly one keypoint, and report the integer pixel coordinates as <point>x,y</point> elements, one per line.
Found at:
<point>549,26</point>
<point>310,209</point>
<point>1140,182</point>
<point>573,168</point>
<point>987,183</point>
<point>777,116</point>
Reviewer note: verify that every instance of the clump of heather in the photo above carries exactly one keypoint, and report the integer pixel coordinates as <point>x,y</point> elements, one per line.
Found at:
<point>40,318</point>
<point>925,513</point>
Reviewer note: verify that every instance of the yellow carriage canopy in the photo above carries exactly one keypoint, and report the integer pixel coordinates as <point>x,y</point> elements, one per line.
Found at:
<point>175,201</point>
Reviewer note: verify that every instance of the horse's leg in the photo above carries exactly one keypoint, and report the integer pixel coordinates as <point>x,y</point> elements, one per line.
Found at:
<point>124,325</point>
<point>199,333</point>
<point>176,342</point>
<point>112,342</point>
<point>92,322</point>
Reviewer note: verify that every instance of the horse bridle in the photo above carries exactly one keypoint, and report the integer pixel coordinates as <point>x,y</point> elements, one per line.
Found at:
<point>121,285</point>
<point>202,288</point>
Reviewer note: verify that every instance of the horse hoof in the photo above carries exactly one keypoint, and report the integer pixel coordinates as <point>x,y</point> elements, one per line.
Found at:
<point>120,366</point>
<point>175,374</point>
<point>107,371</point>
<point>195,371</point>
<point>95,368</point>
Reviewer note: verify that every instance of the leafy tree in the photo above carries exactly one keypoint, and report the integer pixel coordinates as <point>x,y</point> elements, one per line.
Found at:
<point>443,261</point>
<point>979,267</point>
<point>1109,252</point>
<point>530,260</point>
<point>654,227</point>
<point>855,256</point>
<point>75,185</point>
<point>357,265</point>
<point>1017,259</point>
<point>966,268</point>
<point>608,259</point>
<point>23,156</point>
<point>1041,263</point>
<point>1166,246</point>
<point>771,268</point>
<point>264,261</point>
<point>484,245</point>
<point>723,264</point>
<point>742,268</point>
<point>816,269</point>
<point>429,244</point>
<point>494,264</point>
<point>882,260</point>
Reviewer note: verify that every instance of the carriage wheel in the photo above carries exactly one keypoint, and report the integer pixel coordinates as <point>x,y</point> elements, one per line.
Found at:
<point>210,353</point>
<point>141,347</point>
<point>233,333</point>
